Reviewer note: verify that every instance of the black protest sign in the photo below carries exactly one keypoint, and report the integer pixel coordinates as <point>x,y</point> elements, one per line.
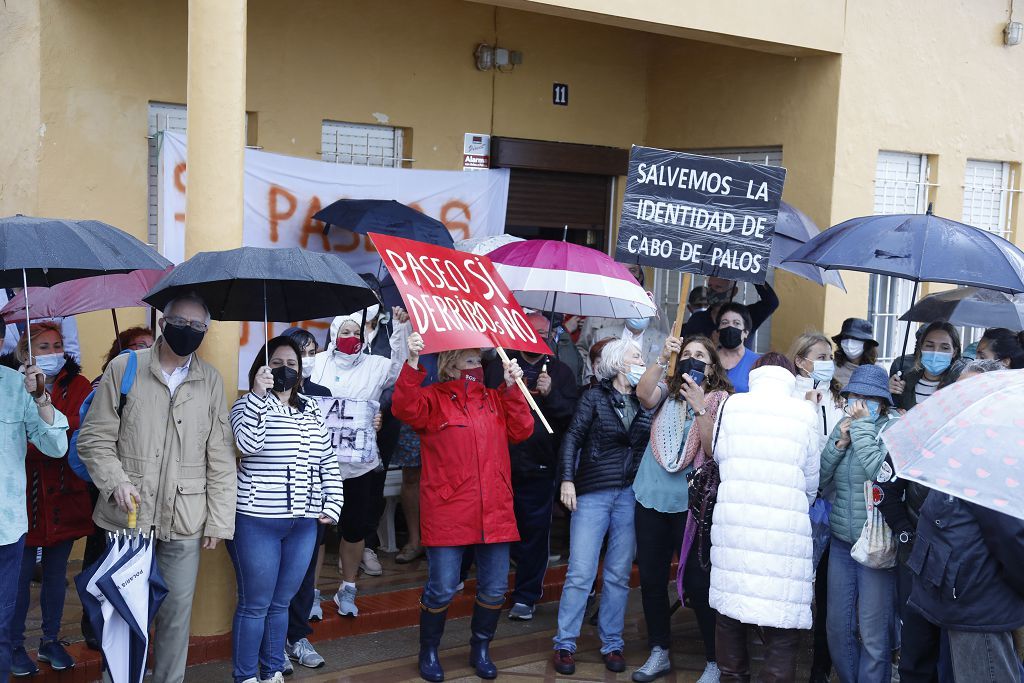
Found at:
<point>699,214</point>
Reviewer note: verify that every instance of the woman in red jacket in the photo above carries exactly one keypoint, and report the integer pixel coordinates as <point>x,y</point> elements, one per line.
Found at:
<point>59,509</point>
<point>465,489</point>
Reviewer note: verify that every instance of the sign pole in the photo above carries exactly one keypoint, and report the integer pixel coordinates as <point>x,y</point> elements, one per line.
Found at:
<point>526,393</point>
<point>677,326</point>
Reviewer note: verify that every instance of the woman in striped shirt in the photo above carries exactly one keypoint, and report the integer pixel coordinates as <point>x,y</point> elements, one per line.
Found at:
<point>288,481</point>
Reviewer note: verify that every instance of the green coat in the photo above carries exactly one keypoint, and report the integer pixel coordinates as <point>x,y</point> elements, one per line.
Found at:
<point>848,469</point>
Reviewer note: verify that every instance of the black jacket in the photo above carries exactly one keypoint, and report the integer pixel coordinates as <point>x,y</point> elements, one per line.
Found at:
<point>608,455</point>
<point>900,504</point>
<point>537,457</point>
<point>968,563</point>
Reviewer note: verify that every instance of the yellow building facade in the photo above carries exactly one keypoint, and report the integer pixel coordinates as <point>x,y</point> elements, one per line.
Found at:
<point>873,105</point>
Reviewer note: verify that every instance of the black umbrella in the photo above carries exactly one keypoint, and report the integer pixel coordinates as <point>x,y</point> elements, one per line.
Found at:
<point>386,217</point>
<point>972,307</point>
<point>254,283</point>
<point>42,252</point>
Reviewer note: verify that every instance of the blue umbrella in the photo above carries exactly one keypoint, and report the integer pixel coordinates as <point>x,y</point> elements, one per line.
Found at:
<point>917,247</point>
<point>793,229</point>
<point>387,217</point>
<point>91,606</point>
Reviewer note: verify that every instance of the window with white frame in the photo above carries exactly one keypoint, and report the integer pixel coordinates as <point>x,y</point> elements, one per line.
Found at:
<point>667,283</point>
<point>901,186</point>
<point>162,116</point>
<point>362,144</point>
<point>988,204</point>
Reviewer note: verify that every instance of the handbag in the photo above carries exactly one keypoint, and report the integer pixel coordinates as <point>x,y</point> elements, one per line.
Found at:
<point>876,547</point>
<point>702,486</point>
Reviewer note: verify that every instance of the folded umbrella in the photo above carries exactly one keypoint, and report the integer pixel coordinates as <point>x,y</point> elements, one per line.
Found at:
<point>118,625</point>
<point>387,217</point>
<point>92,598</point>
<point>967,441</point>
<point>486,244</point>
<point>568,278</point>
<point>255,283</point>
<point>792,229</point>
<point>971,307</point>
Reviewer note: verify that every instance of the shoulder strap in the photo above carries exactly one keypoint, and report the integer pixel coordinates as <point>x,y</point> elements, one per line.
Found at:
<point>127,380</point>
<point>718,426</point>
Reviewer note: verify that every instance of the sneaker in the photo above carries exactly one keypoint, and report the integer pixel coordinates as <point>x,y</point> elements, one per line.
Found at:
<point>565,662</point>
<point>409,553</point>
<point>302,652</point>
<point>370,565</point>
<point>316,612</point>
<point>345,599</point>
<point>276,678</point>
<point>656,666</point>
<point>521,612</point>
<point>53,653</point>
<point>287,669</point>
<point>460,586</point>
<point>22,664</point>
<point>251,680</point>
<point>711,674</point>
<point>614,661</point>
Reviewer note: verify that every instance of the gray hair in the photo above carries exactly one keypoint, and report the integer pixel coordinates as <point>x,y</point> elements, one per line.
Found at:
<point>983,365</point>
<point>613,358</point>
<point>188,297</point>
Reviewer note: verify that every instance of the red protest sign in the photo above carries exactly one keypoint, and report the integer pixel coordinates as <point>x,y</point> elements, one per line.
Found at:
<point>456,300</point>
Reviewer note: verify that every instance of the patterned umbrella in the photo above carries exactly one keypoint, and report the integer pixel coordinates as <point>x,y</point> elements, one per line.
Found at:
<point>967,440</point>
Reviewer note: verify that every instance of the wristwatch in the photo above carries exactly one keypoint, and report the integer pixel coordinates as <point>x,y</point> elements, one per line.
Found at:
<point>906,537</point>
<point>663,366</point>
<point>43,400</point>
<point>702,411</point>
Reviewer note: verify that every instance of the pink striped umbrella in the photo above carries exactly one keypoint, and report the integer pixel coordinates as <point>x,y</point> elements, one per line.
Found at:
<point>568,278</point>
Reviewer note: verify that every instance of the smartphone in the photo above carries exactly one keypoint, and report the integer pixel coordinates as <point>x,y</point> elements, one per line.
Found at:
<point>697,376</point>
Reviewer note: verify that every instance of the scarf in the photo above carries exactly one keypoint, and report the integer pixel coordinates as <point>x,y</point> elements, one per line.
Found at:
<point>667,434</point>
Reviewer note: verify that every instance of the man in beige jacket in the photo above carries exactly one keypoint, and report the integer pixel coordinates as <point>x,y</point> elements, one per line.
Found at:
<point>169,454</point>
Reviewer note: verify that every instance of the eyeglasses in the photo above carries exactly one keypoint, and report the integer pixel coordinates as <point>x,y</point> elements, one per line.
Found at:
<point>197,325</point>
<point>139,346</point>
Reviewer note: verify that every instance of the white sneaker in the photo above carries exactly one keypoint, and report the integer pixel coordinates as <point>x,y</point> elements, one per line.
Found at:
<point>288,669</point>
<point>303,653</point>
<point>345,599</point>
<point>657,665</point>
<point>251,680</point>
<point>370,565</point>
<point>460,586</point>
<point>711,674</point>
<point>521,612</point>
<point>316,612</point>
<point>276,678</point>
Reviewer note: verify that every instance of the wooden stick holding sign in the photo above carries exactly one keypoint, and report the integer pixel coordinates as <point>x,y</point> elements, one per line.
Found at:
<point>526,392</point>
<point>677,326</point>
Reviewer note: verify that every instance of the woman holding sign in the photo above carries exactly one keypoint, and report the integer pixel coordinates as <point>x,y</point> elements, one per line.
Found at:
<point>359,378</point>
<point>465,489</point>
<point>287,482</point>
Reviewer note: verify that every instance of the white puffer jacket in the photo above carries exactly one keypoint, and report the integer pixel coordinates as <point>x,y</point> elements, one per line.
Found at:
<point>768,455</point>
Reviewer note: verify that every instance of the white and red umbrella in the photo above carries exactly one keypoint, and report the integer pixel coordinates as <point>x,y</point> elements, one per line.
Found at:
<point>572,279</point>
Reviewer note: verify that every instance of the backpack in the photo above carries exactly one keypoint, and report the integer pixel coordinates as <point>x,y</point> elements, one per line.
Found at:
<point>74,461</point>
<point>702,484</point>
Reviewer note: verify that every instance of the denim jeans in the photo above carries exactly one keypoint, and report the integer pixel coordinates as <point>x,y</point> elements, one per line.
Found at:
<point>444,569</point>
<point>270,560</point>
<point>597,513</point>
<point>864,596</point>
<point>984,657</point>
<point>10,569</point>
<point>302,603</point>
<point>533,499</point>
<point>51,593</point>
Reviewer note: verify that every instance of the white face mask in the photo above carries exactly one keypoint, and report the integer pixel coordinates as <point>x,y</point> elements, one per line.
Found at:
<point>50,364</point>
<point>853,348</point>
<point>307,367</point>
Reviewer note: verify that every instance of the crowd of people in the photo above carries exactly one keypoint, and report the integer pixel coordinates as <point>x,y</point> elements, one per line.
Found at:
<point>692,449</point>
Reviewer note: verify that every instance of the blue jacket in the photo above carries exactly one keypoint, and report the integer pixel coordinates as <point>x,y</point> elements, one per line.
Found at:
<point>968,565</point>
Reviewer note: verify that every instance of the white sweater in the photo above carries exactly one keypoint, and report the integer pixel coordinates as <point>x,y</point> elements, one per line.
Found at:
<point>768,455</point>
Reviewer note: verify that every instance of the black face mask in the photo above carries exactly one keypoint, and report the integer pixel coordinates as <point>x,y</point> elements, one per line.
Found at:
<point>694,367</point>
<point>182,340</point>
<point>284,378</point>
<point>730,337</point>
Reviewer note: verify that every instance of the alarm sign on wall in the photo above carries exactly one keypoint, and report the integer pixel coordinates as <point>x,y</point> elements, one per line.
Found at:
<point>560,94</point>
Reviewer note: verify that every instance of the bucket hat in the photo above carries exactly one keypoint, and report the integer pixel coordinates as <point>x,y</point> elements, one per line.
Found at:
<point>870,381</point>
<point>856,328</point>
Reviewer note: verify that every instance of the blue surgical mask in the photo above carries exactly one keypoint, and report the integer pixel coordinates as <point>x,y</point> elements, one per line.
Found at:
<point>874,407</point>
<point>638,324</point>
<point>635,373</point>
<point>50,364</point>
<point>936,362</point>
<point>823,371</point>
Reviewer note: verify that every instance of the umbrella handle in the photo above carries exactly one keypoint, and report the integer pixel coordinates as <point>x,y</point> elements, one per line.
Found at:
<point>28,317</point>
<point>266,328</point>
<point>133,515</point>
<point>906,333</point>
